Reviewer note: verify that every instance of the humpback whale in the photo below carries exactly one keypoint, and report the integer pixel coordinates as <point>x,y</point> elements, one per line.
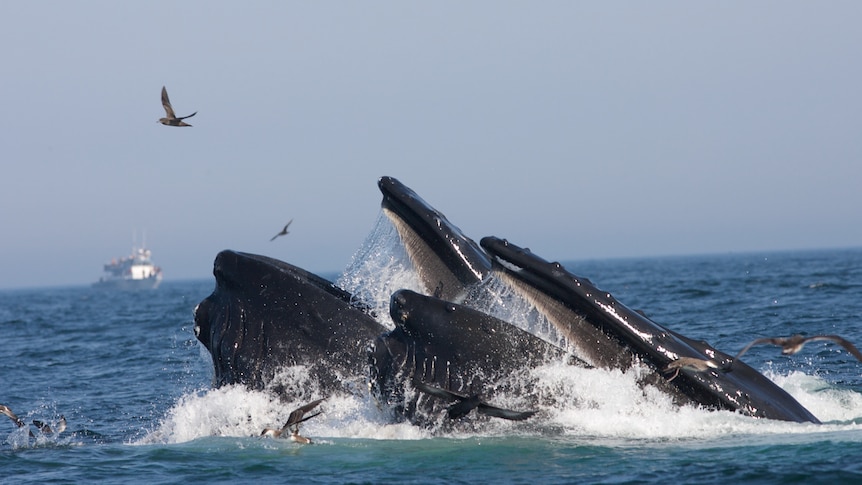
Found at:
<point>265,314</point>
<point>609,334</point>
<point>443,345</point>
<point>447,261</point>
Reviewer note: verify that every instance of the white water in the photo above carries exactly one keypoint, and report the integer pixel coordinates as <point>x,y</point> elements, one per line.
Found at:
<point>594,404</point>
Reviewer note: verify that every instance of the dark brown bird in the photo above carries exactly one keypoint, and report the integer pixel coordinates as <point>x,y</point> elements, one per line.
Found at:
<point>8,412</point>
<point>690,363</point>
<point>46,428</point>
<point>793,344</point>
<point>292,424</point>
<point>464,404</point>
<point>171,119</point>
<point>15,419</point>
<point>283,232</point>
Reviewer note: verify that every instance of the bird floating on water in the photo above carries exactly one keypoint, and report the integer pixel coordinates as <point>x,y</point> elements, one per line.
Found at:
<point>170,118</point>
<point>45,428</point>
<point>296,416</point>
<point>283,232</point>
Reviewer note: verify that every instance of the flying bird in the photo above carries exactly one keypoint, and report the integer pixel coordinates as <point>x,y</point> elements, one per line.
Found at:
<point>171,119</point>
<point>283,232</point>
<point>296,416</point>
<point>793,344</point>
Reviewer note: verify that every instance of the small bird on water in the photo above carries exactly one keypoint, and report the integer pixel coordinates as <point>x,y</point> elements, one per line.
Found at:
<point>171,119</point>
<point>296,416</point>
<point>791,345</point>
<point>45,428</point>
<point>283,232</point>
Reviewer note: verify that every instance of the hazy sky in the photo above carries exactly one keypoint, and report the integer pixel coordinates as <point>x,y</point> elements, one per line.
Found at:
<point>581,130</point>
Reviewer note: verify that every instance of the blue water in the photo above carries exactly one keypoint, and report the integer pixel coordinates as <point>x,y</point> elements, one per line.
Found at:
<point>134,385</point>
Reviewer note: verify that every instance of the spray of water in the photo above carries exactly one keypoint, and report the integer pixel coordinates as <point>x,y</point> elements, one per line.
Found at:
<point>379,268</point>
<point>596,404</point>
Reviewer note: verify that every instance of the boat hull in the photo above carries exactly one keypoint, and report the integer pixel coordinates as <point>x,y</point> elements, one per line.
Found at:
<point>129,284</point>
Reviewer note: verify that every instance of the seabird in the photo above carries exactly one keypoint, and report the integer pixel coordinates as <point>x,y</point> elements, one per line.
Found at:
<point>15,419</point>
<point>793,344</point>
<point>464,404</point>
<point>296,416</point>
<point>283,231</point>
<point>690,363</point>
<point>170,118</point>
<point>46,429</point>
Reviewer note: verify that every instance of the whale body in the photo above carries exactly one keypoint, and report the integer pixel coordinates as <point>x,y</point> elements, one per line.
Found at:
<point>265,314</point>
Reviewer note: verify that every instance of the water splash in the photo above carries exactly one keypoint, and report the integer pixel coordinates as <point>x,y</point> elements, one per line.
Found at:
<point>235,411</point>
<point>498,299</point>
<point>573,402</point>
<point>379,268</point>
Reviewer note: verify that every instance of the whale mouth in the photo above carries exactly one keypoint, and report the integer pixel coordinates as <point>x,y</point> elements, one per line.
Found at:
<point>265,315</point>
<point>447,261</point>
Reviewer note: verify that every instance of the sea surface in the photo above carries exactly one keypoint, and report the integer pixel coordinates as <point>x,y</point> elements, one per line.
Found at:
<point>134,384</point>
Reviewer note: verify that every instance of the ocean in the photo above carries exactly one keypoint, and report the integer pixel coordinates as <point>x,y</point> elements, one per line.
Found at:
<point>134,384</point>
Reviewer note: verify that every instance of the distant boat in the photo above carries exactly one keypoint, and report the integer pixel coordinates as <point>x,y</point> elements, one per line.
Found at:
<point>133,272</point>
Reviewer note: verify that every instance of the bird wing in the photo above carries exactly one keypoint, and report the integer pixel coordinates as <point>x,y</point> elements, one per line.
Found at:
<point>841,341</point>
<point>283,231</point>
<point>43,427</point>
<point>167,104</point>
<point>8,412</point>
<point>463,407</point>
<point>437,392</point>
<point>765,340</point>
<point>189,116</point>
<point>496,412</point>
<point>466,404</point>
<point>297,414</point>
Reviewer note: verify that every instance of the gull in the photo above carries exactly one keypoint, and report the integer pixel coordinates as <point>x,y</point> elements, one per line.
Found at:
<point>690,363</point>
<point>793,344</point>
<point>171,119</point>
<point>283,231</point>
<point>296,416</point>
